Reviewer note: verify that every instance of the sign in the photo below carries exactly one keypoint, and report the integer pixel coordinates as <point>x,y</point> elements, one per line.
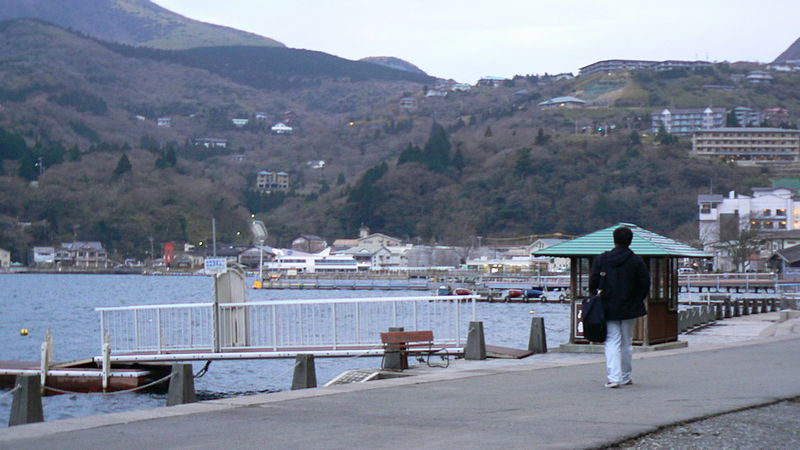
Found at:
<point>215,266</point>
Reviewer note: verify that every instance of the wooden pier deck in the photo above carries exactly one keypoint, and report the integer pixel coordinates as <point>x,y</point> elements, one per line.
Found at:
<point>84,375</point>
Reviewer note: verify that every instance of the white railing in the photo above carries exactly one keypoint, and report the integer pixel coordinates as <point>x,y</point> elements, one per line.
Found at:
<point>282,326</point>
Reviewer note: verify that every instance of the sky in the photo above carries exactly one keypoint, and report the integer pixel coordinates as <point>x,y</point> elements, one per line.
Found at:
<point>468,39</point>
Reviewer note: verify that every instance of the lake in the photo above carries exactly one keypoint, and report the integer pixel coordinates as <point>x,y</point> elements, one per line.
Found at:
<point>65,305</point>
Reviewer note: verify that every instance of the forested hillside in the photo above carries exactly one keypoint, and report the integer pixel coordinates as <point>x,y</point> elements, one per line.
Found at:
<point>82,155</point>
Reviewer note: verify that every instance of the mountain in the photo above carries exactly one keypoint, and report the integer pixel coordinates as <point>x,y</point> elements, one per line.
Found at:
<point>394,63</point>
<point>790,54</point>
<point>135,22</point>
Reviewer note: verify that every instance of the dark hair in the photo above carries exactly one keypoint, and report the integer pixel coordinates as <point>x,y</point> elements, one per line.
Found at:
<point>623,236</point>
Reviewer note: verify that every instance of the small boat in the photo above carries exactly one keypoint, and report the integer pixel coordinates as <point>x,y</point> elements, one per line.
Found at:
<point>513,293</point>
<point>462,291</point>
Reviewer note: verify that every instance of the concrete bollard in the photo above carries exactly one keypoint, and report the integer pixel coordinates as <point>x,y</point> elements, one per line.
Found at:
<point>26,407</point>
<point>746,307</point>
<point>181,385</point>
<point>737,312</point>
<point>773,304</point>
<point>476,344</point>
<point>537,342</point>
<point>394,359</point>
<point>305,372</point>
<point>726,306</point>
<point>681,321</point>
<point>719,311</point>
<point>764,305</point>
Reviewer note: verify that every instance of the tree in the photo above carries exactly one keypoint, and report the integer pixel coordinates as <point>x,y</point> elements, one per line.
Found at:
<point>123,165</point>
<point>743,247</point>
<point>731,120</point>
<point>28,166</point>
<point>541,138</point>
<point>74,153</point>
<point>488,132</point>
<point>634,139</point>
<point>437,149</point>
<point>340,180</point>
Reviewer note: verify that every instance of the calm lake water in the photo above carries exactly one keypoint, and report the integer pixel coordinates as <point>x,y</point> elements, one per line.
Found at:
<point>65,305</point>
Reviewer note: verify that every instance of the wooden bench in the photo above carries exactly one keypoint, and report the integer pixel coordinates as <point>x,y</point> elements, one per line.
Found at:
<point>414,343</point>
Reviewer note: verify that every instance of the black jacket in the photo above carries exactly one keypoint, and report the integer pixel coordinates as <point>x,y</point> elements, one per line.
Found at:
<point>626,284</point>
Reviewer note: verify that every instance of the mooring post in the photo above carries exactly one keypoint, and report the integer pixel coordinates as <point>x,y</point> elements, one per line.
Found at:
<point>305,374</point>
<point>727,307</point>
<point>736,308</point>
<point>393,358</point>
<point>26,407</point>
<point>181,385</point>
<point>538,340</point>
<point>476,344</point>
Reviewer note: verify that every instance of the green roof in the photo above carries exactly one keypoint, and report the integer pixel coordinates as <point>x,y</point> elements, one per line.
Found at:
<point>645,243</point>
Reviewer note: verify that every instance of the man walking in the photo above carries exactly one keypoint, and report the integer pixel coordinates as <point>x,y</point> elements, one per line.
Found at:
<point>624,281</point>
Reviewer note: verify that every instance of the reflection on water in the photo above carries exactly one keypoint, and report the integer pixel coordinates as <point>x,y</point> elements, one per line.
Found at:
<point>65,304</point>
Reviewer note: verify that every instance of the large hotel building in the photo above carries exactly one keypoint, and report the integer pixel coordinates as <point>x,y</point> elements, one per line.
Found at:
<point>748,146</point>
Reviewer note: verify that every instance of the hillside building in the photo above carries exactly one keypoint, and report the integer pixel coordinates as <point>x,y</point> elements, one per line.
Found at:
<point>210,143</point>
<point>239,123</point>
<point>408,103</point>
<point>759,77</point>
<point>748,146</point>
<point>268,181</point>
<point>490,81</point>
<point>748,117</point>
<point>623,65</point>
<point>684,122</point>
<point>164,122</point>
<point>563,102</point>
<point>282,128</point>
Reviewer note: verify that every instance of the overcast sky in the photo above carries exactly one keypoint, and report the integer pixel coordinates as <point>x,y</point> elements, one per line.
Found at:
<point>467,39</point>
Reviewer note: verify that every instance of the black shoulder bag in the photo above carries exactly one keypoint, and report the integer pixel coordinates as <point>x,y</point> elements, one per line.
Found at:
<point>593,316</point>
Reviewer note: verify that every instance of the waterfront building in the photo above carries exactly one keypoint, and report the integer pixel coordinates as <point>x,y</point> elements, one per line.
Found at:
<point>267,181</point>
<point>554,264</point>
<point>748,146</point>
<point>43,256</point>
<point>5,259</point>
<point>770,214</point>
<point>294,262</point>
<point>309,243</point>
<point>684,122</point>
<point>87,254</point>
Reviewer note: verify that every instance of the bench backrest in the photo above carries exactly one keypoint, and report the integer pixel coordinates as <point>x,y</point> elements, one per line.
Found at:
<point>401,337</point>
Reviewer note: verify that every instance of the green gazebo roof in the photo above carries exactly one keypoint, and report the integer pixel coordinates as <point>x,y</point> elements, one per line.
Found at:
<point>645,243</point>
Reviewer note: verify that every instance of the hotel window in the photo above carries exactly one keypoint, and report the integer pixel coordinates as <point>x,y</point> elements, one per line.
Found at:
<point>705,208</point>
<point>767,212</point>
<point>780,212</point>
<point>782,224</point>
<point>768,224</point>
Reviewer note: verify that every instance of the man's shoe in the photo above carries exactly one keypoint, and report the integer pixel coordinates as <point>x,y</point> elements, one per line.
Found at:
<point>627,383</point>
<point>612,385</point>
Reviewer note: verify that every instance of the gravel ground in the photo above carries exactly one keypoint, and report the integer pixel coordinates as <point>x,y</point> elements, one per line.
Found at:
<point>768,427</point>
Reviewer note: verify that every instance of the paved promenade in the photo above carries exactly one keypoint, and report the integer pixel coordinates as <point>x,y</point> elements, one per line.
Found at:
<point>546,401</point>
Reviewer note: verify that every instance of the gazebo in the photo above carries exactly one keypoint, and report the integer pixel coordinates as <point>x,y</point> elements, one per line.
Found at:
<point>659,328</point>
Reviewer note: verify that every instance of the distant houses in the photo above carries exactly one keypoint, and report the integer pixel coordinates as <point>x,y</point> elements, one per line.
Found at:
<point>622,65</point>
<point>164,122</point>
<point>684,122</point>
<point>210,143</point>
<point>408,103</point>
<point>82,254</point>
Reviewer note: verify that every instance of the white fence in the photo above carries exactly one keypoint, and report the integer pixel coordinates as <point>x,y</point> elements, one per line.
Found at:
<point>334,327</point>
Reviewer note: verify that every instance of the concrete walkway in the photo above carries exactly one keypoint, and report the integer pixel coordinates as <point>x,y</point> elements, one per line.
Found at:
<point>546,401</point>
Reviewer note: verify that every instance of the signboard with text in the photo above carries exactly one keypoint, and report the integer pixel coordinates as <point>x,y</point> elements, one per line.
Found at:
<point>214,266</point>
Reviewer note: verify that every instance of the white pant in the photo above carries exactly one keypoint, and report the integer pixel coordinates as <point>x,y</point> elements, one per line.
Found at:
<point>618,350</point>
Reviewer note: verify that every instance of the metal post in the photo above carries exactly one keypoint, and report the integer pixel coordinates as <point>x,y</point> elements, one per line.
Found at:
<point>160,332</point>
<point>458,322</point>
<point>274,329</point>
<point>214,235</point>
<point>358,322</point>
<point>333,312</point>
<point>106,363</point>
<point>394,314</point>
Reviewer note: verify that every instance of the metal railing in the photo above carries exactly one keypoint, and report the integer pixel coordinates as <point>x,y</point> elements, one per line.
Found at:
<point>282,326</point>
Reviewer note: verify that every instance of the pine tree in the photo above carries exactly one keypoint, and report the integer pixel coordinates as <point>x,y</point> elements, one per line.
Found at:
<point>437,149</point>
<point>123,165</point>
<point>488,132</point>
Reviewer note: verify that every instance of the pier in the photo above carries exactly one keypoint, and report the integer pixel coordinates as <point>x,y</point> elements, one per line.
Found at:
<point>549,400</point>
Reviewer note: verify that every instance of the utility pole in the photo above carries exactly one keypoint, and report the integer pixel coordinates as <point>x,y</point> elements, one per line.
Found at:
<point>214,236</point>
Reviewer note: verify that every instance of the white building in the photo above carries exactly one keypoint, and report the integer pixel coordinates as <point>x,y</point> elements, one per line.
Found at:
<point>773,212</point>
<point>553,264</point>
<point>684,122</point>
<point>282,128</point>
<point>44,255</point>
<point>5,259</point>
<point>294,262</point>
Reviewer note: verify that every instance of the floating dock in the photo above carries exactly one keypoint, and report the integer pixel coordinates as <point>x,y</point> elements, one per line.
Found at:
<point>84,376</point>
